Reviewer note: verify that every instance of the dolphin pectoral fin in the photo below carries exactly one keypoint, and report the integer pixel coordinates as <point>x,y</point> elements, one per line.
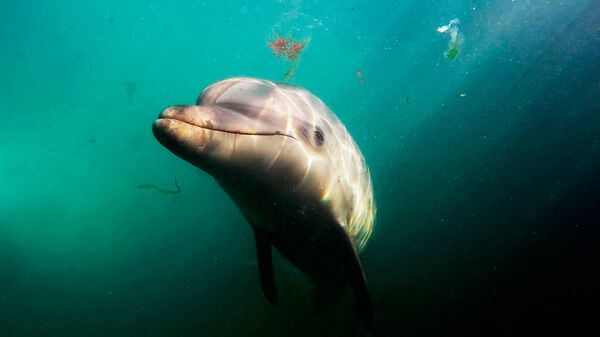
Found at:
<point>357,279</point>
<point>265,265</point>
<point>361,293</point>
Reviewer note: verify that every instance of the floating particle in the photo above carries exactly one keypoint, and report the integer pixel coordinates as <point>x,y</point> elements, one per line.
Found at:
<point>359,75</point>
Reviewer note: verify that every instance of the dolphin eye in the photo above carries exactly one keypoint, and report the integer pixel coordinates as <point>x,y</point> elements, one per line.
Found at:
<point>319,136</point>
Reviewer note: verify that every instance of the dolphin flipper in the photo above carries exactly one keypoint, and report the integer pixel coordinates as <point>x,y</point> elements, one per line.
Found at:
<point>356,277</point>
<point>265,265</point>
<point>341,265</point>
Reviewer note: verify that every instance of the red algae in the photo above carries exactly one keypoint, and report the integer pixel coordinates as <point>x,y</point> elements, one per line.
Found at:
<point>289,48</point>
<point>295,50</point>
<point>279,45</point>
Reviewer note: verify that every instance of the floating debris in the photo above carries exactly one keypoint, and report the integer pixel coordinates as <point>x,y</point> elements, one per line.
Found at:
<point>452,24</point>
<point>279,45</point>
<point>359,75</point>
<point>287,47</point>
<point>295,50</point>
<point>148,186</point>
<point>456,38</point>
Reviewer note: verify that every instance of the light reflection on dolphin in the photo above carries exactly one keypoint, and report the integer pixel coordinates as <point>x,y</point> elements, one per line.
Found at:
<point>293,170</point>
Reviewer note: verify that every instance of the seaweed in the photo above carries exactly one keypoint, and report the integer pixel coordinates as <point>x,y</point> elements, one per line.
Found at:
<point>148,186</point>
<point>456,39</point>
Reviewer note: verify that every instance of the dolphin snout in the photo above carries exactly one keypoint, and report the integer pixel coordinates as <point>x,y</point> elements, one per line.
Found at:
<point>163,128</point>
<point>174,123</point>
<point>190,114</point>
<point>172,111</point>
<point>222,119</point>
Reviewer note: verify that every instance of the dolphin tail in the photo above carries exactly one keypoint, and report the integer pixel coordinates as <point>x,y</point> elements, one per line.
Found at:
<point>265,264</point>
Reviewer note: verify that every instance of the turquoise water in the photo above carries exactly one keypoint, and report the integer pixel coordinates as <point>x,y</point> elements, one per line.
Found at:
<point>485,166</point>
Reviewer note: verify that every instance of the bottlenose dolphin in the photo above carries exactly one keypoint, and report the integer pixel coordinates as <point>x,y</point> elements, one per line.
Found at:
<point>292,169</point>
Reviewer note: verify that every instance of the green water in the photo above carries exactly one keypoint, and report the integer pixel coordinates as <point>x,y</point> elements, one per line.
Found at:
<point>485,166</point>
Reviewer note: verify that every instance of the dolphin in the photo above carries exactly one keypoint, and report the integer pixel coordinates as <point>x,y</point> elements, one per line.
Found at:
<point>292,169</point>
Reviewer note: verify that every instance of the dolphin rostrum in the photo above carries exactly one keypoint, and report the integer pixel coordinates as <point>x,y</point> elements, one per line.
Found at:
<point>292,169</point>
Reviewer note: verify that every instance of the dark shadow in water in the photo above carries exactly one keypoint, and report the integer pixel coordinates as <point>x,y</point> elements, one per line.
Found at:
<point>131,88</point>
<point>488,224</point>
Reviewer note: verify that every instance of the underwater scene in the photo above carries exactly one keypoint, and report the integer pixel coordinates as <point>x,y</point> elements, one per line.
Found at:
<point>299,168</point>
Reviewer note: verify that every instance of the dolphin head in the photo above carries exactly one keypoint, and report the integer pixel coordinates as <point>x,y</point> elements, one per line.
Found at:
<point>259,135</point>
<point>243,127</point>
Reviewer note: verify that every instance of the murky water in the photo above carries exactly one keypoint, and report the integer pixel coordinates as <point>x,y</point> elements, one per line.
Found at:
<point>483,140</point>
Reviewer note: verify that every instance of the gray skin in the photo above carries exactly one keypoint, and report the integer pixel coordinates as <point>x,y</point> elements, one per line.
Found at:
<point>292,169</point>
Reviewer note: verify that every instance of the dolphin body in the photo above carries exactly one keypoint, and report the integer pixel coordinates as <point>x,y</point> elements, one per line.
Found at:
<point>292,169</point>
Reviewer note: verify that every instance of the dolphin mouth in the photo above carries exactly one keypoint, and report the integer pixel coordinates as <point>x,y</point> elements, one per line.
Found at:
<point>212,128</point>
<point>218,119</point>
